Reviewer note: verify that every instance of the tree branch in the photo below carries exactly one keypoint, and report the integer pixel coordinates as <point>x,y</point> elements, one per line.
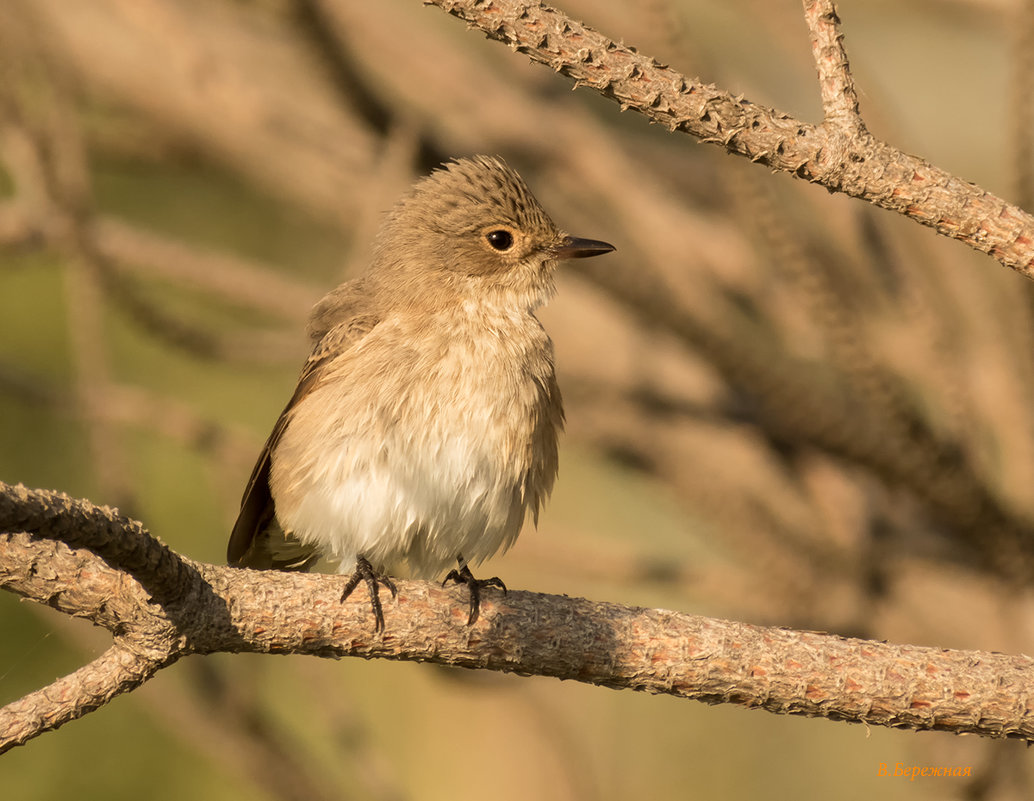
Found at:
<point>160,606</point>
<point>842,159</point>
<point>839,98</point>
<point>117,670</point>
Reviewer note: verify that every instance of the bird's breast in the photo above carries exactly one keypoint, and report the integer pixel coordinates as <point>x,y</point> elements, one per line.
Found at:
<point>434,438</point>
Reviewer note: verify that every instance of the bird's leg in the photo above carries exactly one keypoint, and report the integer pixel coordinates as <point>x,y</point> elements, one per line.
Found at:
<point>364,572</point>
<point>464,576</point>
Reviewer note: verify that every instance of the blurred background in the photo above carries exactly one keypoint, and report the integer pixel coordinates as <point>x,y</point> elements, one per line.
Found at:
<point>784,407</point>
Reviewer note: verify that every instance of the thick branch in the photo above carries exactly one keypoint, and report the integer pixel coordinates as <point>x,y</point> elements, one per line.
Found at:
<point>657,651</point>
<point>855,163</point>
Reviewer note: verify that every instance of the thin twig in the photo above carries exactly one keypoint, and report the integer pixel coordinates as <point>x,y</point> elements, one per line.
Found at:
<point>839,98</point>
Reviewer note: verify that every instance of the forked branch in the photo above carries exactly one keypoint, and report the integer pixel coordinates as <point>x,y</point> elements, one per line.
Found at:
<point>161,607</point>
<point>840,154</point>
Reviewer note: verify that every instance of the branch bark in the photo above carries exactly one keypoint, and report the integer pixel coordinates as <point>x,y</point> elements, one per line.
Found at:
<point>91,562</point>
<point>840,154</point>
<point>159,606</point>
<point>839,97</point>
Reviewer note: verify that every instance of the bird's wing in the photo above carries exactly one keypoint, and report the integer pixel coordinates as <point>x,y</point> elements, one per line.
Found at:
<point>250,540</point>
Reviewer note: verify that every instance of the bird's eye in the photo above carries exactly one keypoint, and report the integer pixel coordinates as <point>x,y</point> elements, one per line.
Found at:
<point>500,240</point>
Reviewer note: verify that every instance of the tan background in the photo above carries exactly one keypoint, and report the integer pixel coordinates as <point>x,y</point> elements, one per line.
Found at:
<point>182,179</point>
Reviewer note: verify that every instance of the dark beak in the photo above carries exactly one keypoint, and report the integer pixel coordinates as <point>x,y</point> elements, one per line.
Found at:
<point>575,248</point>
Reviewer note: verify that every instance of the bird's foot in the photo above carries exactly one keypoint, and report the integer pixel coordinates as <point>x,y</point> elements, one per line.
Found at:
<point>364,572</point>
<point>464,576</point>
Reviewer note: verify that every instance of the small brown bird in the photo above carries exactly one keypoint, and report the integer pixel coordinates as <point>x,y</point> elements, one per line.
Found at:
<point>425,421</point>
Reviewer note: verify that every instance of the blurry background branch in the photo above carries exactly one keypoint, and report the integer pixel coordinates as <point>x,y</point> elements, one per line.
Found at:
<point>784,406</point>
<point>160,607</point>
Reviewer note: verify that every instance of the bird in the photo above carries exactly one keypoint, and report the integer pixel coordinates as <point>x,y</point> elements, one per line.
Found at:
<point>425,423</point>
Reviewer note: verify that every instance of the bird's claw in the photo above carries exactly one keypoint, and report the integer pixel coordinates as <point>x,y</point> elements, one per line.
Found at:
<point>464,576</point>
<point>364,572</point>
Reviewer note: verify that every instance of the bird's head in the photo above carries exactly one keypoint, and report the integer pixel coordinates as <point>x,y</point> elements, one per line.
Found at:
<point>473,227</point>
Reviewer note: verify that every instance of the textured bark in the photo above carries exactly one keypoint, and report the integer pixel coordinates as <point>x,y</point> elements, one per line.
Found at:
<point>116,671</point>
<point>839,154</point>
<point>161,607</point>
<point>93,563</point>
